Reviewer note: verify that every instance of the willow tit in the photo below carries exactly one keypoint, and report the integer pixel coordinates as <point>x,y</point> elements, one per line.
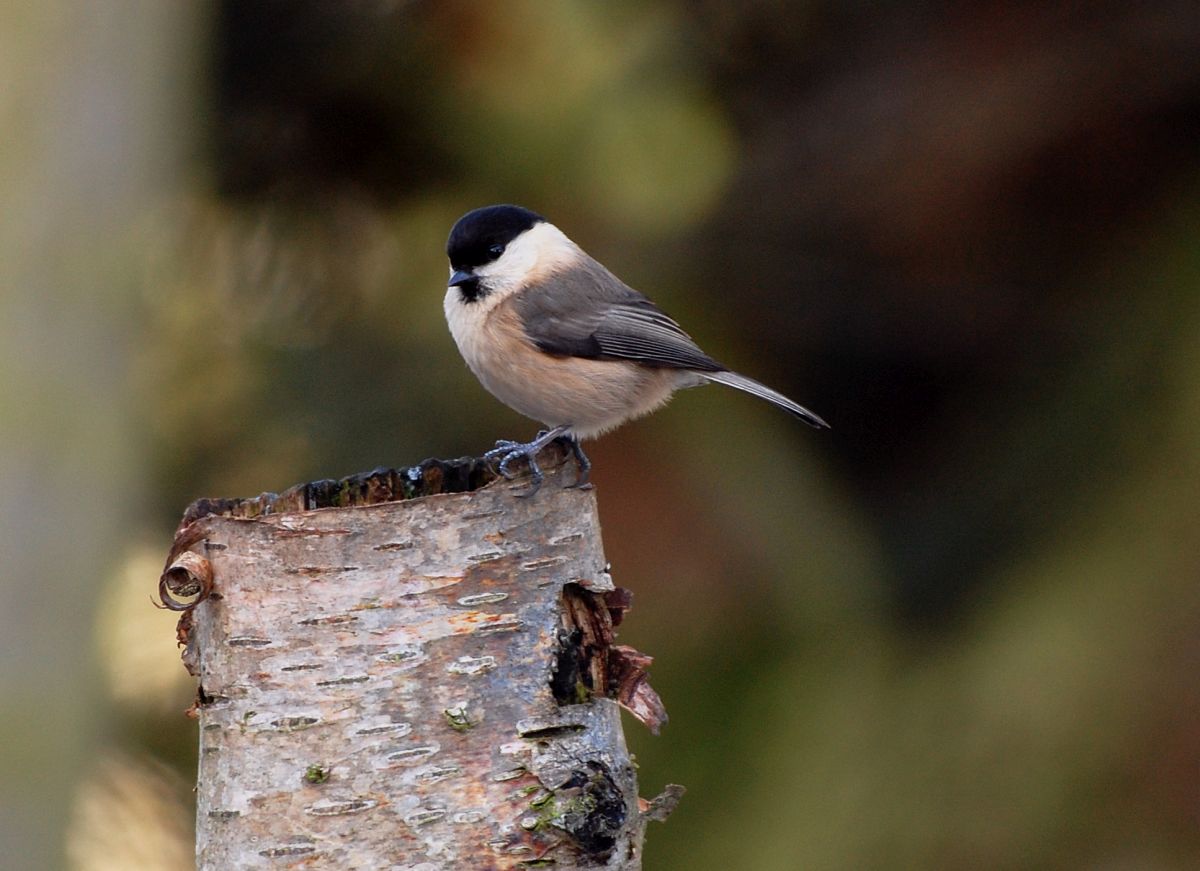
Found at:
<point>556,336</point>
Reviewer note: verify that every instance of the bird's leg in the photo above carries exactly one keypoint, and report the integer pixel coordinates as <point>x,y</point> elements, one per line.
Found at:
<point>508,451</point>
<point>583,482</point>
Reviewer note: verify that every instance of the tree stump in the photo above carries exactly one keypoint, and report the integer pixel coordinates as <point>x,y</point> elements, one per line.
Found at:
<point>410,669</point>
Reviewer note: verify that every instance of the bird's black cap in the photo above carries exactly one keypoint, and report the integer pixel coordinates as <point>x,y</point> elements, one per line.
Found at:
<point>476,235</point>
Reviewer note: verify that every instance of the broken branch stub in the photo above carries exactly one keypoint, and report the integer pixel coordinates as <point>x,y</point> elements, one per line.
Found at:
<point>428,683</point>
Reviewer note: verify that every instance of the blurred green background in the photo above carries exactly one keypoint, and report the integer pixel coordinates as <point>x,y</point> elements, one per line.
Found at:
<point>960,630</point>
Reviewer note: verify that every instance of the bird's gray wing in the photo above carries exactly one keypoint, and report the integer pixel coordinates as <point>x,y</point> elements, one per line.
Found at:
<point>587,312</point>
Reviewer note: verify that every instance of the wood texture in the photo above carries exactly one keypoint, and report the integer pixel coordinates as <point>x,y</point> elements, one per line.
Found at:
<point>422,684</point>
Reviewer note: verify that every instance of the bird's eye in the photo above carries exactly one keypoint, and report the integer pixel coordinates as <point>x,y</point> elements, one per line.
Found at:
<point>496,250</point>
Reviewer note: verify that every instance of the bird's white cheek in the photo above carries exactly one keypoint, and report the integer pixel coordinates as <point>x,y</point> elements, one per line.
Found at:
<point>510,270</point>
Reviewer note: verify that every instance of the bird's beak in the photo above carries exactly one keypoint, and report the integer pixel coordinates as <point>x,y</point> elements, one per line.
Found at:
<point>460,277</point>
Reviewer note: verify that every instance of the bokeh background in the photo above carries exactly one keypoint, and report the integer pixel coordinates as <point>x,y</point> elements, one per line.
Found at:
<point>960,630</point>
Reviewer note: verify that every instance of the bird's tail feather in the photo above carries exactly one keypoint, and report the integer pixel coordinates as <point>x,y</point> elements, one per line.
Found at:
<point>762,391</point>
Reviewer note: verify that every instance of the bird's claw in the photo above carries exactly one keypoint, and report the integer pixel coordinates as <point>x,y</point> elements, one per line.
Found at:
<point>507,452</point>
<point>529,456</point>
<point>503,448</point>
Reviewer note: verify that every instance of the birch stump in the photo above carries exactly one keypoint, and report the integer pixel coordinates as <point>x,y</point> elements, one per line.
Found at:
<point>410,669</point>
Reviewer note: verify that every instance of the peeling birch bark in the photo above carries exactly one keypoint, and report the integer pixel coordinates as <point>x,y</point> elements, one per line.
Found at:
<point>422,684</point>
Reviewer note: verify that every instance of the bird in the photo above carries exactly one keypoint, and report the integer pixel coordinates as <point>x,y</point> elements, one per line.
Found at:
<point>550,332</point>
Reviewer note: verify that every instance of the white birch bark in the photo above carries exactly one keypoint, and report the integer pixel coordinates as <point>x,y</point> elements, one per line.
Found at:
<point>376,687</point>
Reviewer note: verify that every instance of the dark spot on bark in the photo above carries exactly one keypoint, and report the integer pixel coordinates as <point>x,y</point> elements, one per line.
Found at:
<point>592,809</point>
<point>567,679</point>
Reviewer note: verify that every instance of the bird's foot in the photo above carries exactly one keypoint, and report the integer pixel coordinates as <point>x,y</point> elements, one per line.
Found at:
<point>583,482</point>
<point>508,452</point>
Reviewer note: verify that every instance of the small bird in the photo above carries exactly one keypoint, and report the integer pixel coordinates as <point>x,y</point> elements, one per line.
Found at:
<point>557,337</point>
